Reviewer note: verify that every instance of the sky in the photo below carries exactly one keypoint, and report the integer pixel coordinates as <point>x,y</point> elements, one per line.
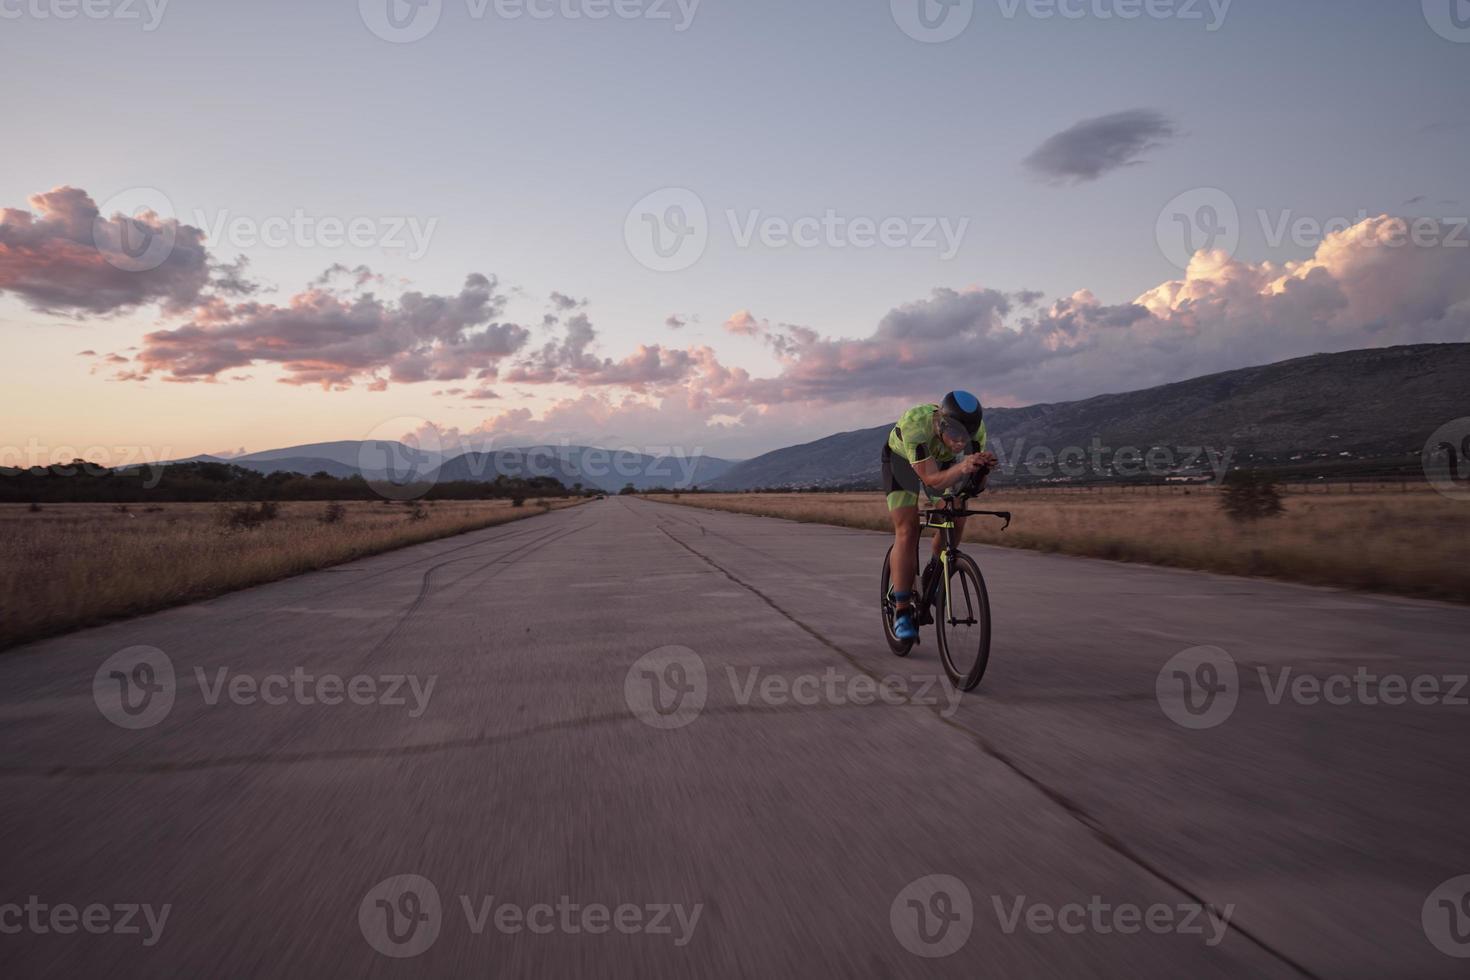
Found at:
<point>719,226</point>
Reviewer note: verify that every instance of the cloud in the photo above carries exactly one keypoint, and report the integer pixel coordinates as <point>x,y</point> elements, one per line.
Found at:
<point>743,324</point>
<point>674,321</point>
<point>1368,286</point>
<point>69,258</point>
<point>322,336</point>
<point>564,302</point>
<point>1094,147</point>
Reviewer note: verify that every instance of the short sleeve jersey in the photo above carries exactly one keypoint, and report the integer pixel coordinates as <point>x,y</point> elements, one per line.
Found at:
<point>914,437</point>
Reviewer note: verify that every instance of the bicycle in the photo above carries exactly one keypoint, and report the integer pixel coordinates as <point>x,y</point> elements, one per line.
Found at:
<point>963,601</point>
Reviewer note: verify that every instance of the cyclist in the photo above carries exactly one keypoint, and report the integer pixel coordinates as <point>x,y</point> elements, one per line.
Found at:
<point>923,453</point>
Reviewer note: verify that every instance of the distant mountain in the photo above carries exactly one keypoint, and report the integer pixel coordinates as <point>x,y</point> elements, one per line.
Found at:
<point>375,454</point>
<point>1351,408</point>
<point>306,467</point>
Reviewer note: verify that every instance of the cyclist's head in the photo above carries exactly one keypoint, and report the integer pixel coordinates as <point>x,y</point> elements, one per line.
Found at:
<point>964,408</point>
<point>952,432</point>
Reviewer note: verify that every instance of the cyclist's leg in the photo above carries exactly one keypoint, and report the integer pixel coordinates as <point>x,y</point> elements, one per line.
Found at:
<point>903,560</point>
<point>903,509</point>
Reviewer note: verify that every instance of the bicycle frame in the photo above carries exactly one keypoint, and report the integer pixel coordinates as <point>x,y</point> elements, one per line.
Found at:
<point>944,519</point>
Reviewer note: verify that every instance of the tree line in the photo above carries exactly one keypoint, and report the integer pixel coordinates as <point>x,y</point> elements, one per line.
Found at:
<point>202,482</point>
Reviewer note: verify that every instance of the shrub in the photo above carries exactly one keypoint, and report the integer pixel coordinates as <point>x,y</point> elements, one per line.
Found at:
<point>34,508</point>
<point>1249,495</point>
<point>518,501</point>
<point>333,513</point>
<point>416,512</point>
<point>243,517</point>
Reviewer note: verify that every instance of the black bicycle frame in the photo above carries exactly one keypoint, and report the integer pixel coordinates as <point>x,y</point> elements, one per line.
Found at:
<point>943,519</point>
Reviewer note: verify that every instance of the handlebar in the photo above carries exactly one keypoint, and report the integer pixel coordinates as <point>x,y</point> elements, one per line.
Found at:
<point>955,507</point>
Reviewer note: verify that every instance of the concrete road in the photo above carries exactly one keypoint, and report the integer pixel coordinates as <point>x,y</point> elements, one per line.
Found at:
<point>638,739</point>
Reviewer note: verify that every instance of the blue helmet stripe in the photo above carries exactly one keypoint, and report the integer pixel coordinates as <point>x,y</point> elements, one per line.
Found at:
<point>966,401</point>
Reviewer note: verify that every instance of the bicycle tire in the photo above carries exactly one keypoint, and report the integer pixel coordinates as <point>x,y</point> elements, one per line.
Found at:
<point>966,585</point>
<point>900,648</point>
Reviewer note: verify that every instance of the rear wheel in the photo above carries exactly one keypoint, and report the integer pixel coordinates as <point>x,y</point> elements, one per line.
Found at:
<point>885,599</point>
<point>962,620</point>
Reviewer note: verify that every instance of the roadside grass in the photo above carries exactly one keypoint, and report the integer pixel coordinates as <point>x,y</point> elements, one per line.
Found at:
<point>1409,542</point>
<point>66,566</point>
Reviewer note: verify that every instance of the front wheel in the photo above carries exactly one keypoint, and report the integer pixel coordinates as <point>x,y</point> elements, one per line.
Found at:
<point>962,618</point>
<point>885,600</point>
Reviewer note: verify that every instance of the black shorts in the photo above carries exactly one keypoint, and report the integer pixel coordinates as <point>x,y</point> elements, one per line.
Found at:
<point>899,481</point>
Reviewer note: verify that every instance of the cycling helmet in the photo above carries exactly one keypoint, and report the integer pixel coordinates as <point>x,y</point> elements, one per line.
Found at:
<point>964,408</point>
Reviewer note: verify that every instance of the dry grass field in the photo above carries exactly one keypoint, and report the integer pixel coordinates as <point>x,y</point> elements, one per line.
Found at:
<point>1408,541</point>
<point>70,565</point>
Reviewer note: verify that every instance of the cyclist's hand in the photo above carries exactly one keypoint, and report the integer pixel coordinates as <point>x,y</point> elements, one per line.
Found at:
<point>989,460</point>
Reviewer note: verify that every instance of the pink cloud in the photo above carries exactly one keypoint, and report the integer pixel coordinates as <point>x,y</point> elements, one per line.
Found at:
<point>324,337</point>
<point>69,258</point>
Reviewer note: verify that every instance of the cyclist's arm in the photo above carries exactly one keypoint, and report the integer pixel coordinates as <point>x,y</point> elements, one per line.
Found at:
<point>936,479</point>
